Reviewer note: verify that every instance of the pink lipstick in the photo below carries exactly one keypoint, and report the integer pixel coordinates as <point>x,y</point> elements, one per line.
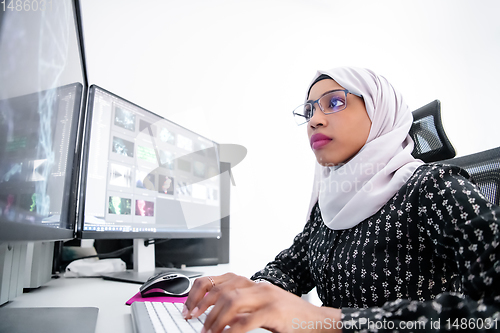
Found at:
<point>318,140</point>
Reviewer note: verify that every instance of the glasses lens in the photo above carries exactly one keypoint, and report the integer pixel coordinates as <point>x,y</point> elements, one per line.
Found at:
<point>302,113</point>
<point>333,102</point>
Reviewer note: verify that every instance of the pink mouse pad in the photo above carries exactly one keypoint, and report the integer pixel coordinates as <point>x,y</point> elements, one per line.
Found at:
<point>172,299</point>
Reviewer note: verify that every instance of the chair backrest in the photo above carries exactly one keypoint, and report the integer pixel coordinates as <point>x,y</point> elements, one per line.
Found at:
<point>484,168</point>
<point>431,142</point>
<point>432,145</point>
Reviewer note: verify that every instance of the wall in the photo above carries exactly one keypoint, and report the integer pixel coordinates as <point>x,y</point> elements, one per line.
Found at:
<point>234,71</point>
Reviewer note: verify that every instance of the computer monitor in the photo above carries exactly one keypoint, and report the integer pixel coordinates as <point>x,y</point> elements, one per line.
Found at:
<point>42,90</point>
<point>41,94</point>
<point>145,177</point>
<point>37,144</point>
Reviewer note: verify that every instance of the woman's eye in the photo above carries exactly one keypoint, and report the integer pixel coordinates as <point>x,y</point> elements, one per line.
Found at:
<point>308,112</point>
<point>336,103</point>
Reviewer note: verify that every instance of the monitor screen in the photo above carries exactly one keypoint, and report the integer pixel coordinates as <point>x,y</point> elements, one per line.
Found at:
<point>146,176</point>
<point>41,89</point>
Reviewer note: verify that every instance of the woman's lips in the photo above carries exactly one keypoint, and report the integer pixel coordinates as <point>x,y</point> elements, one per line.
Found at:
<point>319,140</point>
<point>320,143</point>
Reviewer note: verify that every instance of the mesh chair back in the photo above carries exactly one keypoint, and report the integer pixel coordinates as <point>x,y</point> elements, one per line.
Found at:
<point>484,168</point>
<point>432,145</point>
<point>431,142</point>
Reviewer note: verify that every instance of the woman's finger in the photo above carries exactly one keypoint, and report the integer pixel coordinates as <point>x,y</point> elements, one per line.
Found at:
<point>246,322</point>
<point>232,304</point>
<point>200,287</point>
<point>202,306</point>
<point>214,285</point>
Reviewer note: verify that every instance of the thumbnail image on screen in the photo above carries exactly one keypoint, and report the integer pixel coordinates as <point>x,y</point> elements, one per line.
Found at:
<point>8,209</point>
<point>146,154</point>
<point>167,136</point>
<point>183,189</point>
<point>167,159</point>
<point>119,206</point>
<point>147,127</point>
<point>199,169</point>
<point>184,143</point>
<point>125,119</point>
<point>28,202</point>
<point>123,147</point>
<point>144,208</point>
<point>166,185</point>
<point>200,149</point>
<point>37,170</point>
<point>145,180</point>
<point>120,175</point>
<point>10,171</point>
<point>183,165</point>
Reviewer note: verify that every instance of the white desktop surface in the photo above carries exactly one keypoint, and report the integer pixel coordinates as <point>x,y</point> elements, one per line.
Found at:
<point>108,296</point>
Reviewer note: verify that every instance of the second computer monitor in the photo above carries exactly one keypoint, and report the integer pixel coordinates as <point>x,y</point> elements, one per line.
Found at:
<point>144,176</point>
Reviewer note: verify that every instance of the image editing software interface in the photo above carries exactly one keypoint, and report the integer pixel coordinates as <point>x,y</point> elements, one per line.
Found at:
<point>147,175</point>
<point>37,145</point>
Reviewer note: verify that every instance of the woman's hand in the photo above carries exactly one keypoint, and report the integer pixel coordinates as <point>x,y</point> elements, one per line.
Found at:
<point>245,305</point>
<point>197,303</point>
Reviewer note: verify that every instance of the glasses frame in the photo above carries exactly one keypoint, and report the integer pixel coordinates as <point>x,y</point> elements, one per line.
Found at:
<point>311,103</point>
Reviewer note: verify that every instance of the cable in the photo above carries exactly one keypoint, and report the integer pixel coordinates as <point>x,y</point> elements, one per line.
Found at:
<point>109,254</point>
<point>155,241</point>
<point>119,252</point>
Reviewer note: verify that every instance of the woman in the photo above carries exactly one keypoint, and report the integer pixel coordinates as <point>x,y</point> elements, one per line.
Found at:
<point>390,243</point>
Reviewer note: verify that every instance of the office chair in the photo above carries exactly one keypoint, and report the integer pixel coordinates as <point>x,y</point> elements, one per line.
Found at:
<point>431,142</point>
<point>432,145</point>
<point>484,168</point>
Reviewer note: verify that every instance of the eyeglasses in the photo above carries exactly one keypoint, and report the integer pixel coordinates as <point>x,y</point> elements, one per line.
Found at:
<point>330,102</point>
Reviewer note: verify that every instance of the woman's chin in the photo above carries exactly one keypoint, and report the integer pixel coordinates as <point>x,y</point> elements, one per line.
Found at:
<point>327,162</point>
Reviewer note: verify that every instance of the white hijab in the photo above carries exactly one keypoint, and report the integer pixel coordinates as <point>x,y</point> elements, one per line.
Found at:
<point>352,192</point>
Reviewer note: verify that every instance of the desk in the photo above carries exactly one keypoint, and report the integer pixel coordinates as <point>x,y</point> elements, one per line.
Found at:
<point>108,296</point>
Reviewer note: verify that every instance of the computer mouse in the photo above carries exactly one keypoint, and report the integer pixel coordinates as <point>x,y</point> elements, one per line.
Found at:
<point>166,284</point>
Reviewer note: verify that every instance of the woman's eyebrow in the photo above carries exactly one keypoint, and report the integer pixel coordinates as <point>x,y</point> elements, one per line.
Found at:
<point>323,94</point>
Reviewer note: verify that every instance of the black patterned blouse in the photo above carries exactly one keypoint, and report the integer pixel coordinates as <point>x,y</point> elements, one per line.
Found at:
<point>431,255</point>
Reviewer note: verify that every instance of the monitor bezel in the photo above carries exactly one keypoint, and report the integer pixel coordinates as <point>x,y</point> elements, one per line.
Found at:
<point>16,231</point>
<point>90,234</point>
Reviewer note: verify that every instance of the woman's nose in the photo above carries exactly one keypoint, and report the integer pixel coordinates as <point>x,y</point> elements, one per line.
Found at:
<point>318,118</point>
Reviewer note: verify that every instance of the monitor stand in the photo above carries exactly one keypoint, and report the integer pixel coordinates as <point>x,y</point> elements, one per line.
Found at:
<point>144,266</point>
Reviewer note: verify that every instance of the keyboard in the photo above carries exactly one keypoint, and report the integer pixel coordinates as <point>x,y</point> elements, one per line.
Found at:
<point>156,317</point>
